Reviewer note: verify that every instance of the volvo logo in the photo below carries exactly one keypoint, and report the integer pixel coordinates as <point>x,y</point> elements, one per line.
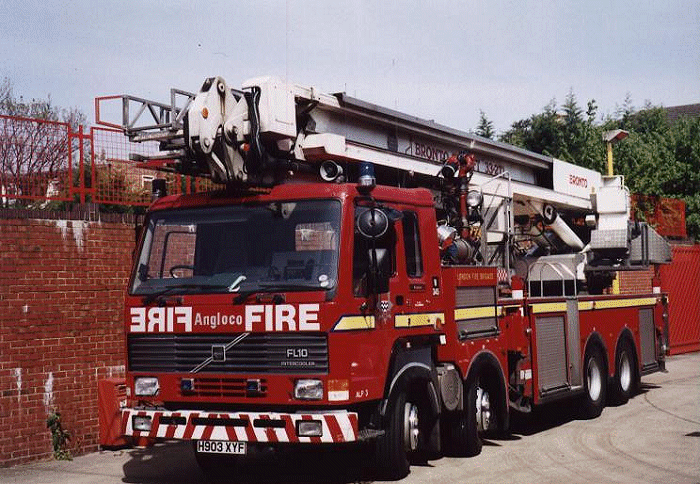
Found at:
<point>218,352</point>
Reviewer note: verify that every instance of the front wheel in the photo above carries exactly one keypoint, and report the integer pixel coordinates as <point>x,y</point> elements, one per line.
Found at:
<point>595,384</point>
<point>401,434</point>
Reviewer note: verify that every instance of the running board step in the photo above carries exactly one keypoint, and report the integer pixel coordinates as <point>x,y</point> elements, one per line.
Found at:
<point>368,434</point>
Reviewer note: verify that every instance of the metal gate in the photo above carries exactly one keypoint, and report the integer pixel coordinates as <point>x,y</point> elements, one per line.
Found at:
<point>681,280</point>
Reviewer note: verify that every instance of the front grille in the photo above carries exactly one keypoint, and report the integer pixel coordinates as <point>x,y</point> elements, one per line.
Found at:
<point>257,353</point>
<point>225,387</point>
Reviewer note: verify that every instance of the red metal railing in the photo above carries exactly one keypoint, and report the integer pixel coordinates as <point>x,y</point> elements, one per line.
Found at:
<point>35,160</point>
<point>43,161</point>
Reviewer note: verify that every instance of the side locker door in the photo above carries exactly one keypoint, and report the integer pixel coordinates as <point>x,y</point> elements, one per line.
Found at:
<point>550,335</point>
<point>647,340</point>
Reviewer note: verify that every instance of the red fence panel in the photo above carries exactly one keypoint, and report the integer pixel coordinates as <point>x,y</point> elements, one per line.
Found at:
<point>118,180</point>
<point>681,280</point>
<point>43,161</point>
<point>35,160</point>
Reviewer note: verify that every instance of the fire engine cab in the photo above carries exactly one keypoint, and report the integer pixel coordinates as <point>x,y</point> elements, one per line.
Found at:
<point>367,276</point>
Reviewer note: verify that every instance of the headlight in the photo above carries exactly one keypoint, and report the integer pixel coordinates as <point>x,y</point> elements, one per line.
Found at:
<point>474,199</point>
<point>309,428</point>
<point>146,386</point>
<point>142,424</point>
<point>308,390</point>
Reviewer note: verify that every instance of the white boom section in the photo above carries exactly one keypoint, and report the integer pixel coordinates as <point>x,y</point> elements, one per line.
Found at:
<point>228,134</point>
<point>353,131</point>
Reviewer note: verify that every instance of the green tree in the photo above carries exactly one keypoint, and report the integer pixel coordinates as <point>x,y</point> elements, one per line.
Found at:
<point>485,127</point>
<point>658,158</point>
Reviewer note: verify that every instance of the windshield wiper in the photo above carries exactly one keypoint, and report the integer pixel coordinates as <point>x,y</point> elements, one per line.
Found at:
<point>275,286</point>
<point>148,299</point>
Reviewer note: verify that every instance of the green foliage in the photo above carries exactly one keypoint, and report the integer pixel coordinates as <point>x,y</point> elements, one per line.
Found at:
<point>485,127</point>
<point>658,158</point>
<point>59,437</point>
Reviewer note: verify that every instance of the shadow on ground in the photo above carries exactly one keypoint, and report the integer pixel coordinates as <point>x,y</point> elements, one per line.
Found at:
<point>174,462</point>
<point>555,414</point>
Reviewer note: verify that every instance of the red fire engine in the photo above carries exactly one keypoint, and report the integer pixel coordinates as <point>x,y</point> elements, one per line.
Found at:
<point>370,276</point>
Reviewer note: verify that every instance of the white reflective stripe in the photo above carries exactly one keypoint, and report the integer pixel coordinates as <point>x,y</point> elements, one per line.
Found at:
<point>198,431</point>
<point>240,434</point>
<point>346,427</point>
<point>162,429</point>
<point>326,436</point>
<point>219,433</point>
<point>260,434</point>
<point>180,430</point>
<point>282,435</point>
<point>129,430</point>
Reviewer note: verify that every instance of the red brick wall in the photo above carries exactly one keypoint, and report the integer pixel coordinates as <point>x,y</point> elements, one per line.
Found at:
<point>61,310</point>
<point>636,282</point>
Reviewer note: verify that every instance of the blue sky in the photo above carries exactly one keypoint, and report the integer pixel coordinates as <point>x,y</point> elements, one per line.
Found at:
<point>441,60</point>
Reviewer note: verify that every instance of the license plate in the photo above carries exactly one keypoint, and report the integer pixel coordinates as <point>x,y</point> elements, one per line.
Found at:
<point>220,447</point>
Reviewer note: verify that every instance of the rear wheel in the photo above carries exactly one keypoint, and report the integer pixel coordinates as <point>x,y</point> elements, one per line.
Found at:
<point>462,428</point>
<point>595,384</point>
<point>625,373</point>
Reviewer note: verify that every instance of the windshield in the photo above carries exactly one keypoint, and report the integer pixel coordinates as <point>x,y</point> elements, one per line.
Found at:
<point>260,248</point>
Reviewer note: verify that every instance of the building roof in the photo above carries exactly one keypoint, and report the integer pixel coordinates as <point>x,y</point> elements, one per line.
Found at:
<point>673,113</point>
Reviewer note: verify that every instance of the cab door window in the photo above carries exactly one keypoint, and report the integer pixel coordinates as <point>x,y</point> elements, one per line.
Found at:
<point>411,243</point>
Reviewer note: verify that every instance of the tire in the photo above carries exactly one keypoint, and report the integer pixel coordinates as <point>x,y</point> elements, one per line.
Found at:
<point>461,429</point>
<point>391,449</point>
<point>595,383</point>
<point>624,382</point>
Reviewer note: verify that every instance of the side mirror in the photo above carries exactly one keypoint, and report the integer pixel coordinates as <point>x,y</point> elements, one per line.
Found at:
<point>372,223</point>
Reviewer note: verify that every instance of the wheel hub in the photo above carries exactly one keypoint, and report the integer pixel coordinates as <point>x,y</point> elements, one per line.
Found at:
<point>411,429</point>
<point>483,409</point>
<point>595,382</point>
<point>625,371</point>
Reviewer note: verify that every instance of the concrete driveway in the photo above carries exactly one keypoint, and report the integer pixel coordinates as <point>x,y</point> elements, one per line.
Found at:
<point>654,438</point>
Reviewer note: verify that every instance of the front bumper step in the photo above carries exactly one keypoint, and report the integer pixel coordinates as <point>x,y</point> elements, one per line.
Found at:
<point>271,427</point>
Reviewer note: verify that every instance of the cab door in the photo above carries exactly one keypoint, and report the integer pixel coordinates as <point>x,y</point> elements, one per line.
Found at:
<point>417,287</point>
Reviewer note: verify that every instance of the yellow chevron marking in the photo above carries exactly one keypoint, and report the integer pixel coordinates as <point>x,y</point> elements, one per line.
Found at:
<point>476,313</point>
<point>560,307</point>
<point>549,308</point>
<point>585,305</point>
<point>419,319</point>
<point>625,303</point>
<point>353,323</point>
